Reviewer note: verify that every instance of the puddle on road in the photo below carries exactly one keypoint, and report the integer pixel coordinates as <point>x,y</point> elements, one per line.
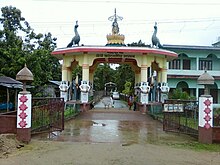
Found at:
<point>103,127</point>
<point>107,131</point>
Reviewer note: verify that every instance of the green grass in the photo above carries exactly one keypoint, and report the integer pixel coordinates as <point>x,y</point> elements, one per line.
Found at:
<point>197,146</point>
<point>189,122</point>
<point>70,112</point>
<point>41,118</point>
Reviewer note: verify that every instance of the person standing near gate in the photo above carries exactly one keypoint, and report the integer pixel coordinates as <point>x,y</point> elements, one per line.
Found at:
<point>135,102</point>
<point>130,101</point>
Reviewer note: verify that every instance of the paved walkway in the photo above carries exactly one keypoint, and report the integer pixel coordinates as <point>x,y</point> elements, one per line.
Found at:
<point>113,125</point>
<point>111,137</point>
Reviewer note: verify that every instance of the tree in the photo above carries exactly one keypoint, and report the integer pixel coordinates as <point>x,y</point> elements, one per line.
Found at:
<point>103,74</point>
<point>30,48</point>
<point>124,74</point>
<point>11,55</point>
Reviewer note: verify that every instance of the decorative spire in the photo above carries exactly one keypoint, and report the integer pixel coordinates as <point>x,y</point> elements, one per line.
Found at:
<point>114,18</point>
<point>115,38</point>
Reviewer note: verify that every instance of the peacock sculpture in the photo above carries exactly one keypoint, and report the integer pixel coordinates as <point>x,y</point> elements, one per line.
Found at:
<point>76,38</point>
<point>155,39</point>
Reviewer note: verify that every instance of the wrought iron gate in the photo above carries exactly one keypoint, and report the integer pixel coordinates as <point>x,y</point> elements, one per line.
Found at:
<point>184,121</point>
<point>47,115</point>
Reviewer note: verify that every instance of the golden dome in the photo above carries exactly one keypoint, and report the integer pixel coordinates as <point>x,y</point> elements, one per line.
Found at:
<point>115,39</point>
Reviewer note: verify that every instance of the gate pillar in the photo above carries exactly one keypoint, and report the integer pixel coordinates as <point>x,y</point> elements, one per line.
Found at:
<point>24,117</point>
<point>24,107</point>
<point>205,119</point>
<point>205,109</point>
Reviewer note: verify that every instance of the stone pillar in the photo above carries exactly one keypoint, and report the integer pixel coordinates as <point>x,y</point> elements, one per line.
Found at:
<point>144,89</point>
<point>137,77</point>
<point>24,117</point>
<point>84,87</point>
<point>69,75</point>
<point>24,107</point>
<point>65,83</point>
<point>164,75</point>
<point>64,73</point>
<point>85,72</point>
<point>144,73</point>
<point>205,119</point>
<point>205,109</point>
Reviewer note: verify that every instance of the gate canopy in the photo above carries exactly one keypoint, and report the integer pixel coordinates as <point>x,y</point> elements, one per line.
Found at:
<point>113,52</point>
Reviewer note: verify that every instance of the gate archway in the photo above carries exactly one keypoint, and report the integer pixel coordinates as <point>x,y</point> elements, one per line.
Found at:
<point>146,62</point>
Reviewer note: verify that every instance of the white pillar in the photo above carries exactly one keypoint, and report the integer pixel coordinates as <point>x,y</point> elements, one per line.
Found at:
<point>24,116</point>
<point>144,73</point>
<point>137,77</point>
<point>205,118</point>
<point>85,72</point>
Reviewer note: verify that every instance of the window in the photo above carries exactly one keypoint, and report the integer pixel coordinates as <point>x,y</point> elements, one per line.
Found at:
<point>186,64</point>
<point>205,64</point>
<point>174,64</point>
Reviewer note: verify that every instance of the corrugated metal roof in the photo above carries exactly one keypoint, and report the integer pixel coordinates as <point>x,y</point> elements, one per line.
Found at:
<point>10,82</point>
<point>55,82</point>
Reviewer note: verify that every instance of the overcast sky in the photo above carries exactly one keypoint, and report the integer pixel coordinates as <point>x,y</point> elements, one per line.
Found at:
<point>188,22</point>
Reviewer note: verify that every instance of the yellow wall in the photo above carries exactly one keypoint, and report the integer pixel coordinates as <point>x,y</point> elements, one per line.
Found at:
<point>86,60</point>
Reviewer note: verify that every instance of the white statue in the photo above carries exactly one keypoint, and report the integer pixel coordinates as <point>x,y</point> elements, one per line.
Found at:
<point>164,91</point>
<point>164,88</point>
<point>84,87</point>
<point>145,88</point>
<point>64,90</point>
<point>64,86</point>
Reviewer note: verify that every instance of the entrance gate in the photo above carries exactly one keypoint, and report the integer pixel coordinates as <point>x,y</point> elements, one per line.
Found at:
<point>181,116</point>
<point>148,63</point>
<point>47,115</point>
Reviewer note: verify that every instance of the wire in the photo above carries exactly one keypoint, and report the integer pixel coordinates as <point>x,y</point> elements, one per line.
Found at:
<point>139,2</point>
<point>86,23</point>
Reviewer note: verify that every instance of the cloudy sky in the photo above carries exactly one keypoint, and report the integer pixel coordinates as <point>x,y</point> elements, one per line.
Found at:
<point>188,22</point>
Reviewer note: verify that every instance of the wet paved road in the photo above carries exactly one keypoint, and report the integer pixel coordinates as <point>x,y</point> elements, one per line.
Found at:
<point>112,125</point>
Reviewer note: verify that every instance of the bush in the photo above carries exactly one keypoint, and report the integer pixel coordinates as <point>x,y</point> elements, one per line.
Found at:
<point>178,94</point>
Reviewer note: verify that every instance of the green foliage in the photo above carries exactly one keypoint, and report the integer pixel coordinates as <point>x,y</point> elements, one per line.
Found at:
<point>216,111</point>
<point>19,44</point>
<point>103,74</point>
<point>70,112</point>
<point>77,72</point>
<point>178,94</point>
<point>127,90</point>
<point>124,73</point>
<point>41,118</point>
<point>194,145</point>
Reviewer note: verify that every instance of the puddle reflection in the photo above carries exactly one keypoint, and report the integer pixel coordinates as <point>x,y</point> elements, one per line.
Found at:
<point>102,131</point>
